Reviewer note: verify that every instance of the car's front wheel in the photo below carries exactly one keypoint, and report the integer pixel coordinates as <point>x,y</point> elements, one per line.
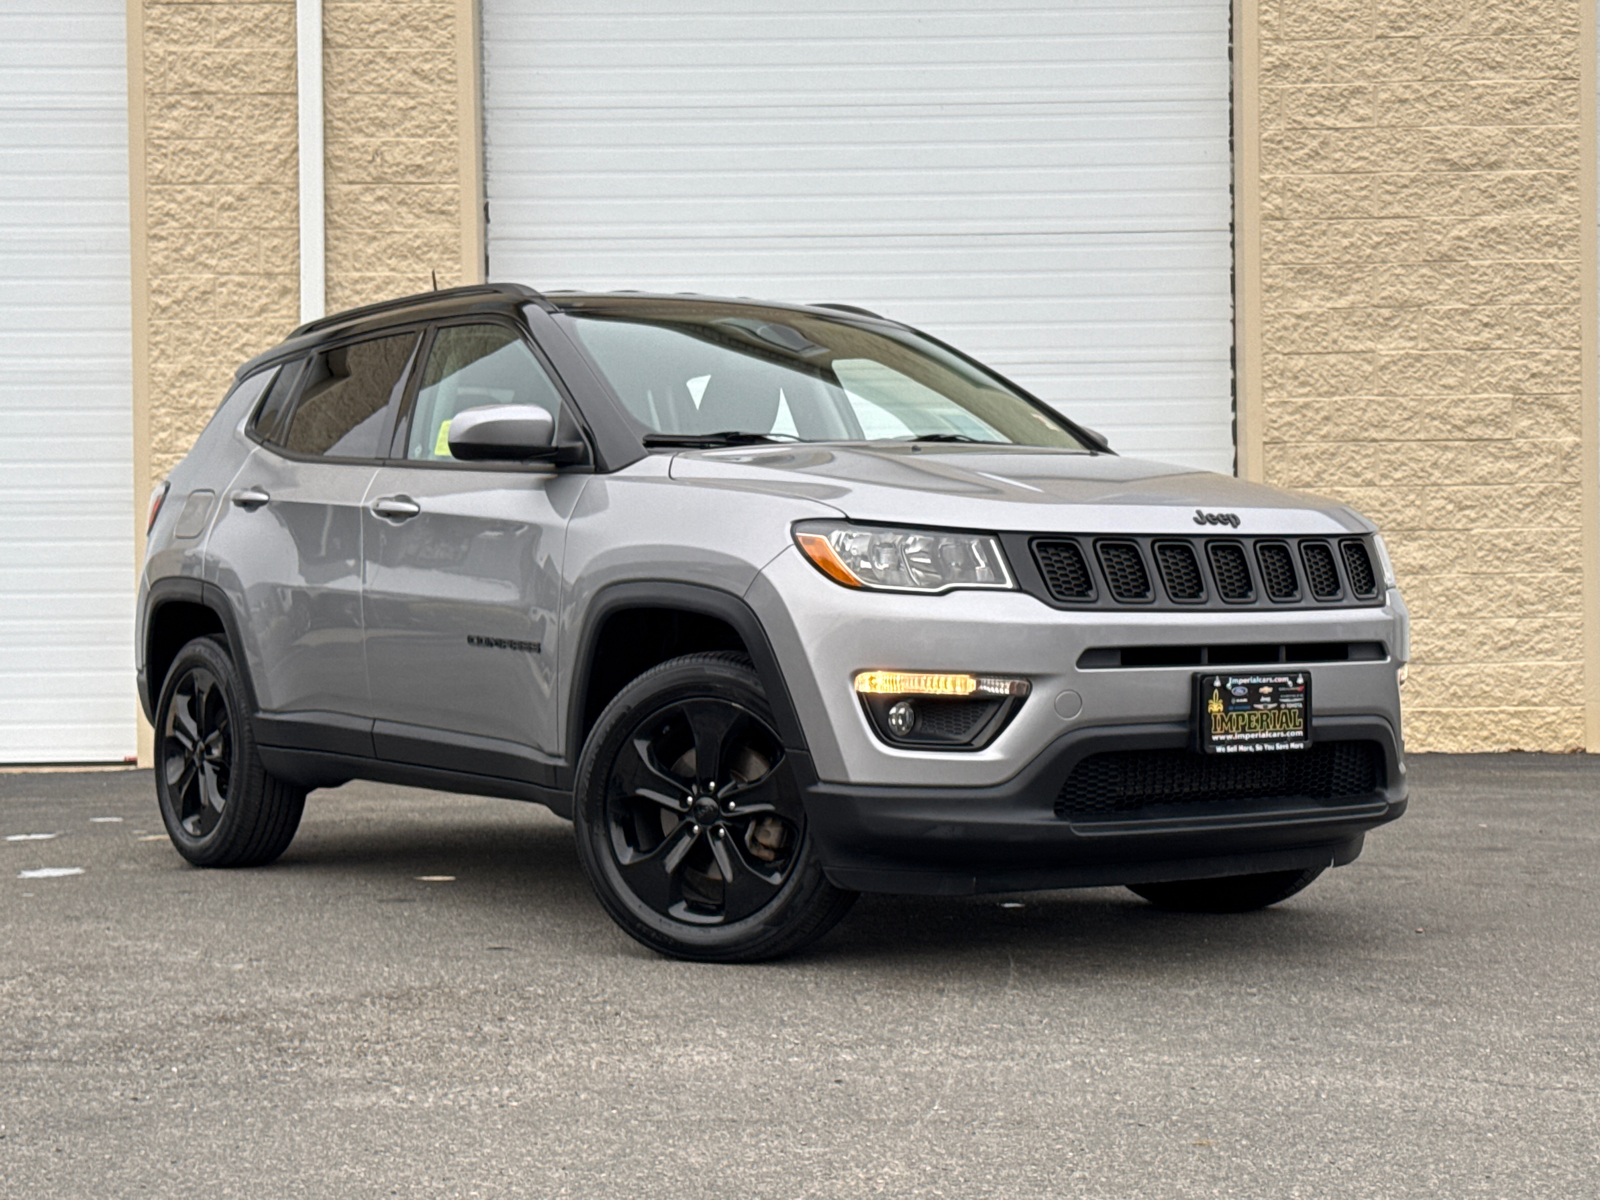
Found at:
<point>220,806</point>
<point>689,818</point>
<point>1229,894</point>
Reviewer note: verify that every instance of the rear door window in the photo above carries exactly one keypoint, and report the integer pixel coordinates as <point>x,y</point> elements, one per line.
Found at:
<point>348,398</point>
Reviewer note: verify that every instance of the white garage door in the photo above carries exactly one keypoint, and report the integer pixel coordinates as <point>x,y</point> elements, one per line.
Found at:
<point>66,422</point>
<point>1044,184</point>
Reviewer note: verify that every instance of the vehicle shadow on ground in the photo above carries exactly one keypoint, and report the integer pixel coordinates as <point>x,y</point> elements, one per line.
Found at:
<point>519,867</point>
<point>1110,928</point>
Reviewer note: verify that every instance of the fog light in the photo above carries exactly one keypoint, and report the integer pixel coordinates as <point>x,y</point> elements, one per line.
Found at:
<point>901,718</point>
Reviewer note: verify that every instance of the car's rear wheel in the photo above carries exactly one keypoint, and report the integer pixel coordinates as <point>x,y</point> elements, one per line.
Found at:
<point>689,818</point>
<point>220,806</point>
<point>1229,894</point>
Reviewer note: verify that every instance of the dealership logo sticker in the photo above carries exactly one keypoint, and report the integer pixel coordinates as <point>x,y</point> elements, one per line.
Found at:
<point>1204,518</point>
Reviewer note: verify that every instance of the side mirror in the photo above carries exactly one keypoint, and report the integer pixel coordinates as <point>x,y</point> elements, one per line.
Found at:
<point>1098,441</point>
<point>503,433</point>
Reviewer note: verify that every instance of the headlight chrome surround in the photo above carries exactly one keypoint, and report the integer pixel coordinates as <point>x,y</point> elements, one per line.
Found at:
<point>893,559</point>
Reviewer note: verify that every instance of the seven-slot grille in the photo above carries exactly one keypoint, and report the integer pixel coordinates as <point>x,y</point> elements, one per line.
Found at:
<point>1320,570</point>
<point>1359,568</point>
<point>1277,572</point>
<point>1212,572</point>
<point>1126,577</point>
<point>1180,572</point>
<point>1065,571</point>
<point>1231,570</point>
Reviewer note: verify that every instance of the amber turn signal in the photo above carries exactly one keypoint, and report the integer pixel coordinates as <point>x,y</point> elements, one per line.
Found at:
<point>928,683</point>
<point>821,552</point>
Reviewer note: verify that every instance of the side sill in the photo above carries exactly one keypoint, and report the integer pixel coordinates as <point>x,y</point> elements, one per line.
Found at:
<point>323,769</point>
<point>461,753</point>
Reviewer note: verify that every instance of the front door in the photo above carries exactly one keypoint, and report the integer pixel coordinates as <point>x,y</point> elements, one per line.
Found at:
<point>463,574</point>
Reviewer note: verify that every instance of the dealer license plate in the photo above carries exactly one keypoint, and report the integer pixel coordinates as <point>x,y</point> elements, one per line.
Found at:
<point>1247,714</point>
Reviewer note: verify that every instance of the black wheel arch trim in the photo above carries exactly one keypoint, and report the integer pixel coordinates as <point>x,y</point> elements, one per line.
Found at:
<point>695,598</point>
<point>330,749</point>
<point>187,590</point>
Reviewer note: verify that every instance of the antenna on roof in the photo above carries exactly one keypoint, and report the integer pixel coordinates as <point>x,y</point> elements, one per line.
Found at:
<point>435,274</point>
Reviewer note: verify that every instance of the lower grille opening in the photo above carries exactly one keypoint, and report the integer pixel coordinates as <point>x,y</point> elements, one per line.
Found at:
<point>1242,655</point>
<point>1117,784</point>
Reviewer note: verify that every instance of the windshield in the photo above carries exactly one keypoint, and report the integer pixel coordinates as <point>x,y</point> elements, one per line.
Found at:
<point>685,369</point>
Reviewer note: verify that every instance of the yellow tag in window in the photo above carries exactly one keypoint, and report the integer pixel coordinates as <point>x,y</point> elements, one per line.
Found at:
<point>441,446</point>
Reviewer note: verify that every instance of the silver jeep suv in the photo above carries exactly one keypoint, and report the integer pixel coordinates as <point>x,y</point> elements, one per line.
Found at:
<point>778,603</point>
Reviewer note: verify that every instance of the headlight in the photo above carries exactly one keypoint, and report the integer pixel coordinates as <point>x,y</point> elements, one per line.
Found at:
<point>903,560</point>
<point>1384,564</point>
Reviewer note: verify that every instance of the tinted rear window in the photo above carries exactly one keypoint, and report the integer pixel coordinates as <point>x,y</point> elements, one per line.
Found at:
<point>346,401</point>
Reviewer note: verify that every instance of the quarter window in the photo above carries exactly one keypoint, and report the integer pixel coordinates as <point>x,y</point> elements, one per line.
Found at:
<point>471,366</point>
<point>343,410</point>
<point>269,418</point>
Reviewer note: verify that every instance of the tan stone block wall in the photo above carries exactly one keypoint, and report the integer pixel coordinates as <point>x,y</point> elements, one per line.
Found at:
<point>1420,331</point>
<point>221,162</point>
<point>221,216</point>
<point>393,174</point>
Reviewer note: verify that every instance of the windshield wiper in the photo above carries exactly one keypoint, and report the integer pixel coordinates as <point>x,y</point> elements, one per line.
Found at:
<point>726,437</point>
<point>949,437</point>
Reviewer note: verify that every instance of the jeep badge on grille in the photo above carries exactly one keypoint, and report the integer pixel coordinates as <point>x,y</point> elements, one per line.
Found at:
<point>1205,518</point>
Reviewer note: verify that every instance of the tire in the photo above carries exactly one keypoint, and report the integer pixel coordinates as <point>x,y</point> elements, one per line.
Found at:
<point>713,865</point>
<point>1230,894</point>
<point>219,805</point>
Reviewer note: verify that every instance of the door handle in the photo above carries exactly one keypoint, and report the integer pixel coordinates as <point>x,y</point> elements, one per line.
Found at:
<point>250,498</point>
<point>396,508</point>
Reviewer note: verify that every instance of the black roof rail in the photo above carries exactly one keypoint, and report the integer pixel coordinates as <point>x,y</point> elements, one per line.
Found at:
<point>853,308</point>
<point>513,290</point>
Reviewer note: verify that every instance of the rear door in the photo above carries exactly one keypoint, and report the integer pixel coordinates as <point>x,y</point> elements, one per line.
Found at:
<point>287,543</point>
<point>463,572</point>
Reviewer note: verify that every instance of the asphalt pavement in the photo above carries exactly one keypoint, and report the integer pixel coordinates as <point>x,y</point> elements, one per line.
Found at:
<point>422,999</point>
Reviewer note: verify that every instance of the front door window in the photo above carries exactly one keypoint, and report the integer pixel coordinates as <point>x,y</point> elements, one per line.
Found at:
<point>471,366</point>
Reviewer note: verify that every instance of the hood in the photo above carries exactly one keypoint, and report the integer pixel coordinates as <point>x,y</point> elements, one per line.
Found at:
<point>1013,489</point>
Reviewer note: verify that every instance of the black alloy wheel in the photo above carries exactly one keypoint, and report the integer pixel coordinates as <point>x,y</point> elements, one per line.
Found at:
<point>691,824</point>
<point>703,812</point>
<point>220,806</point>
<point>197,751</point>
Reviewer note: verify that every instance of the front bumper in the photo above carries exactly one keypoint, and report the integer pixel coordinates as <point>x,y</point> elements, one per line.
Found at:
<point>823,634</point>
<point>1007,837</point>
